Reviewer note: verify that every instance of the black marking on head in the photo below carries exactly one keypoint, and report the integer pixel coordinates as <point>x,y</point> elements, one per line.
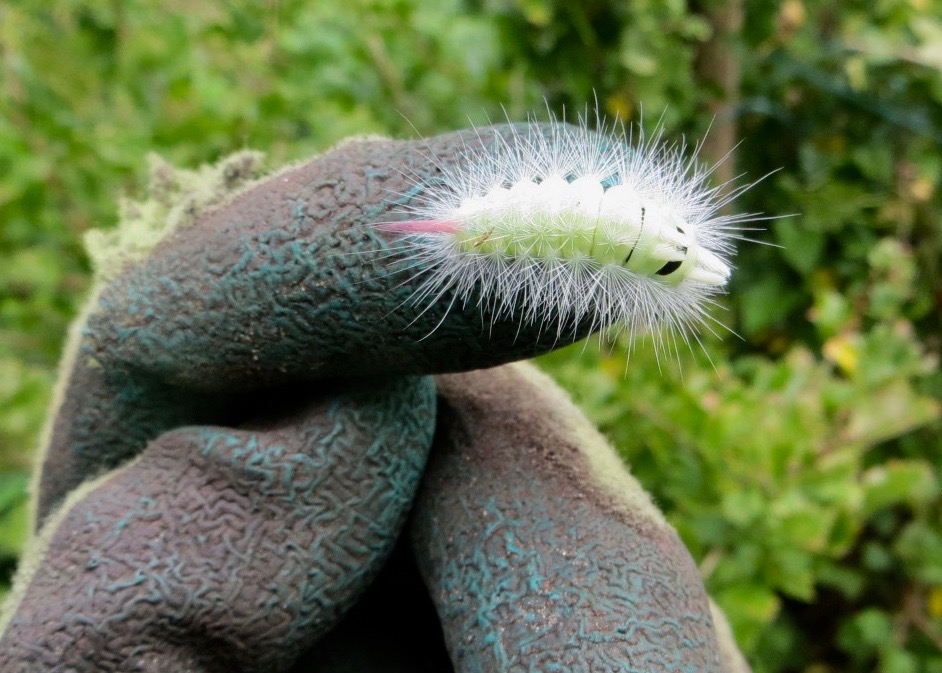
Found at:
<point>669,268</point>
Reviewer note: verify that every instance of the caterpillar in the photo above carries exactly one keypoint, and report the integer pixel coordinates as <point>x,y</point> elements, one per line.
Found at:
<point>564,225</point>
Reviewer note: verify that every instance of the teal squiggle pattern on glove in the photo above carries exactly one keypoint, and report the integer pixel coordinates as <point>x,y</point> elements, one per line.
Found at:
<point>227,549</point>
<point>540,551</point>
<point>106,418</point>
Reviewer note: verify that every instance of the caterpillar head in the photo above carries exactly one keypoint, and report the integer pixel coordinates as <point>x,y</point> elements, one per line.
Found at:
<point>660,243</point>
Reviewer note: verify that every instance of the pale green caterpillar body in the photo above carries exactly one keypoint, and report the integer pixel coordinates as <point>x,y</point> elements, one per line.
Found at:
<point>581,220</point>
<point>566,225</point>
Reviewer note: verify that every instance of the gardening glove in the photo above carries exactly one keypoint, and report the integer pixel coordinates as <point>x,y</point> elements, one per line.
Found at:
<point>233,544</point>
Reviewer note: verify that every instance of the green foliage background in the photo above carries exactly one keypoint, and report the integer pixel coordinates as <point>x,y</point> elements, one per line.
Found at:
<point>802,467</point>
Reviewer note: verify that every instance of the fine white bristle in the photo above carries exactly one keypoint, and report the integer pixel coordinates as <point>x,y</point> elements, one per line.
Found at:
<point>566,227</point>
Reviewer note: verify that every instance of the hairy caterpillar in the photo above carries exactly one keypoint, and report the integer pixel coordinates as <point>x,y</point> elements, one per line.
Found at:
<point>564,225</point>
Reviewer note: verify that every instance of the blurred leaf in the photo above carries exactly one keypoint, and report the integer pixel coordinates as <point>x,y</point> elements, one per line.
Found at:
<point>802,248</point>
<point>898,482</point>
<point>750,609</point>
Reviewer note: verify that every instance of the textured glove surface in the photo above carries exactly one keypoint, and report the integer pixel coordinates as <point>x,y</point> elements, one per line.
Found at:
<point>225,549</point>
<point>540,551</point>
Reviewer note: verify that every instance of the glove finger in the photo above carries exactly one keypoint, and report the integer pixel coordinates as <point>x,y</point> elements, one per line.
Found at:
<point>540,551</point>
<point>224,549</point>
<point>290,279</point>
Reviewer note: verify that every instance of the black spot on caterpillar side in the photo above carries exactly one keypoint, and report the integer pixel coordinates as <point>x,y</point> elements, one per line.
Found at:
<point>668,268</point>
